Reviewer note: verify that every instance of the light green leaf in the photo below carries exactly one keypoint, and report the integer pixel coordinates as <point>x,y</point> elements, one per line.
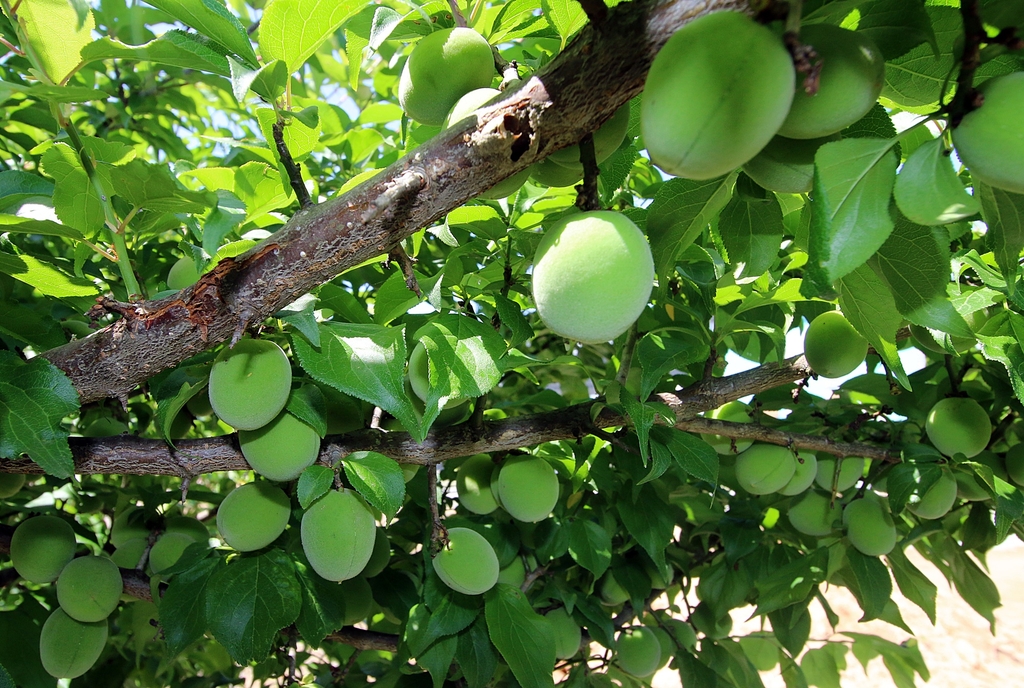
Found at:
<point>17,186</point>
<point>378,479</point>
<point>850,220</point>
<point>24,225</point>
<point>524,638</point>
<point>567,16</point>
<point>55,34</point>
<point>292,30</point>
<point>175,48</point>
<point>869,306</point>
<point>752,233</point>
<point>212,19</point>
<point>928,191</point>
<point>590,546</point>
<point>34,398</point>
<point>1003,212</point>
<point>314,483</point>
<point>75,199</point>
<point>47,278</point>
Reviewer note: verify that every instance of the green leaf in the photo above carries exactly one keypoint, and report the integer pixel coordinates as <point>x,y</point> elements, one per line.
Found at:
<point>869,306</point>
<point>1003,212</point>
<point>76,200</point>
<point>870,583</point>
<point>364,361</point>
<point>34,397</point>
<point>17,186</point>
<point>914,585</point>
<point>175,48</point>
<point>524,638</point>
<point>183,605</point>
<point>896,26</point>
<point>928,190</point>
<point>213,20</point>
<point>850,219</point>
<point>378,479</point>
<point>590,546</point>
<point>292,30</point>
<point>694,455</point>
<point>681,210</point>
<point>314,482</point>
<point>249,601</point>
<point>658,354</point>
<point>152,187</point>
<point>476,655</point>
<point>567,16</point>
<point>307,403</point>
<point>323,605</point>
<point>55,34</point>
<point>752,233</point>
<point>649,520</point>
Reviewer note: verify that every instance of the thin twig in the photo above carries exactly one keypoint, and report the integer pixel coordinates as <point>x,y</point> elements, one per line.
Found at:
<point>587,197</point>
<point>294,173</point>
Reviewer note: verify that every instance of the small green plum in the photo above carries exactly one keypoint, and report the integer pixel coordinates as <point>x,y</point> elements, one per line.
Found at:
<point>468,563</point>
<point>958,425</point>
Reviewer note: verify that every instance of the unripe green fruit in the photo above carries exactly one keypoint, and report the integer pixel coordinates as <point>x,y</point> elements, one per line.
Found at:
<point>637,651</point>
<point>186,525</point>
<point>41,547</point>
<point>528,487</point>
<point>69,648</point>
<point>549,173</point>
<point>128,525</point>
<point>786,165</point>
<point>442,68</point>
<point>89,588</point>
<point>869,526</point>
<point>939,499</point>
<point>167,550</point>
<point>607,139</point>
<point>852,75</point>
<point>358,600</point>
<point>250,383</point>
<point>281,449</point>
<point>806,472</point>
<point>832,347</point>
<point>105,427</point>
<point>765,468</point>
<point>958,424</point>
<point>990,140</point>
<point>734,412</point>
<point>1015,463</point>
<point>128,555</point>
<point>703,619</point>
<point>11,484</point>
<point>182,274</point>
<point>253,515</point>
<point>468,564</point>
<point>762,653</point>
<point>514,574</point>
<point>338,535</point>
<point>814,514</point>
<point>568,635</point>
<point>715,95</point>
<point>379,556</point>
<point>612,594</point>
<point>473,482</point>
<point>850,471</point>
<point>592,276</point>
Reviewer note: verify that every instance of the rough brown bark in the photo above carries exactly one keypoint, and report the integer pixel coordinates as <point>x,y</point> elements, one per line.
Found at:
<point>573,95</point>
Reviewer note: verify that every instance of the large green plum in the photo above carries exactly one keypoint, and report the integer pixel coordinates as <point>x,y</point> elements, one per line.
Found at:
<point>11,484</point>
<point>253,515</point>
<point>182,274</point>
<point>939,498</point>
<point>716,94</point>
<point>250,383</point>
<point>41,547</point>
<point>637,651</point>
<point>281,449</point>
<point>958,424</point>
<point>358,599</point>
<point>69,648</point>
<point>473,481</point>
<point>379,557</point>
<point>443,67</point>
<point>606,140</point>
<point>89,588</point>
<point>869,526</point>
<point>832,347</point>
<point>852,75</point>
<point>990,140</point>
<point>592,276</point>
<point>167,550</point>
<point>765,468</point>
<point>338,535</point>
<point>786,165</point>
<point>815,514</point>
<point>528,488</point>
<point>1015,463</point>
<point>851,469</point>
<point>806,472</point>
<point>734,412</point>
<point>568,635</point>
<point>468,563</point>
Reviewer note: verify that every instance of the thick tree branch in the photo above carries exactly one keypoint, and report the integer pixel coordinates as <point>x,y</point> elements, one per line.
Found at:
<point>573,95</point>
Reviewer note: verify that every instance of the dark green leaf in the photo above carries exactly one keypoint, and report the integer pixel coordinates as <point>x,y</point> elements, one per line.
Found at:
<point>590,546</point>
<point>524,638</point>
<point>378,479</point>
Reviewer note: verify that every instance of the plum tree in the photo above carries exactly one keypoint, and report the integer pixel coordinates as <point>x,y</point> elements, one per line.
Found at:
<point>832,346</point>
<point>338,535</point>
<point>11,484</point>
<point>592,276</point>
<point>851,77</point>
<point>637,651</point>
<point>716,94</point>
<point>514,574</point>
<point>41,547</point>
<point>528,488</point>
<point>1015,463</point>
<point>281,449</point>
<point>989,140</point>
<point>806,472</point>
<point>443,67</point>
<point>467,564</point>
<point>786,165</point>
<point>69,648</point>
<point>182,274</point>
<point>253,515</point>
<point>869,526</point>
<point>958,425</point>
<point>568,635</point>
<point>250,383</point>
<point>734,412</point>
<point>473,482</point>
<point>89,588</point>
<point>379,557</point>
<point>607,139</point>
<point>814,514</point>
<point>765,468</point>
<point>938,499</point>
<point>851,469</point>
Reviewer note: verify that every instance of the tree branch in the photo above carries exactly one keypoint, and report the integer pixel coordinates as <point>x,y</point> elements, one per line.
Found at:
<point>573,95</point>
